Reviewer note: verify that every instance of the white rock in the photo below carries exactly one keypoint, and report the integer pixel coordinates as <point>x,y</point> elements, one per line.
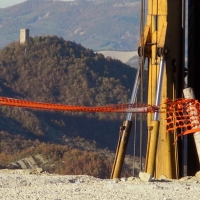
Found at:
<point>115,180</point>
<point>197,174</point>
<point>176,189</point>
<point>163,177</point>
<point>145,176</point>
<point>185,178</point>
<point>39,170</point>
<point>123,179</point>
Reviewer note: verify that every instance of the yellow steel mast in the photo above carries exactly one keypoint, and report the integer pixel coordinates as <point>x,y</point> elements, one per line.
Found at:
<point>162,39</point>
<point>162,43</point>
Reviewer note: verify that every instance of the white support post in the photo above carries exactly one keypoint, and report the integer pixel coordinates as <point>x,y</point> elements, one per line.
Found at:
<point>189,94</point>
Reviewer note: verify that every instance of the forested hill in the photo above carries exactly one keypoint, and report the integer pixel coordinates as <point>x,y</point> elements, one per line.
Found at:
<point>50,69</point>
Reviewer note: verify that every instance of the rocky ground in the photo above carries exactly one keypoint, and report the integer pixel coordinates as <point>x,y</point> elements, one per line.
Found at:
<point>35,184</point>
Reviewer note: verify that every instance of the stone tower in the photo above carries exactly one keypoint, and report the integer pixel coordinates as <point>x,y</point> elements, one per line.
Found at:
<point>24,35</point>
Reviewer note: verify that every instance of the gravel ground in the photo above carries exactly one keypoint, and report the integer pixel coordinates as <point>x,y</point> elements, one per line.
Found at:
<point>30,184</point>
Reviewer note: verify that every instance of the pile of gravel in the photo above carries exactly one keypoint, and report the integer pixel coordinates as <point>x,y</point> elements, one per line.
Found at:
<point>35,184</point>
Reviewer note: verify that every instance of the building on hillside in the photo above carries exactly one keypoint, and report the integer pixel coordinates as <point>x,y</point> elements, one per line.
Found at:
<point>24,35</point>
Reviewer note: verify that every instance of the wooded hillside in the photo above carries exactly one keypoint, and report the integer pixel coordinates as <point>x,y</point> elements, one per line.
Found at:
<point>51,69</point>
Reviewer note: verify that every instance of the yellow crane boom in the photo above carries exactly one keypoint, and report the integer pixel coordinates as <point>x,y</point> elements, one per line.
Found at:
<point>162,44</point>
<point>164,41</point>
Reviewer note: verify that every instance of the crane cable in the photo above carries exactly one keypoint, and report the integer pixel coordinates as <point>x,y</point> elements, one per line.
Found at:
<point>142,61</point>
<point>140,75</point>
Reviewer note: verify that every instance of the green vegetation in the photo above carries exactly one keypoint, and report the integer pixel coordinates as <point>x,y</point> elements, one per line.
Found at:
<point>51,69</point>
<point>58,158</point>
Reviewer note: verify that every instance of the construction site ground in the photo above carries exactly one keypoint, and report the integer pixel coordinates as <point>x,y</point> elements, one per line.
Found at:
<point>37,184</point>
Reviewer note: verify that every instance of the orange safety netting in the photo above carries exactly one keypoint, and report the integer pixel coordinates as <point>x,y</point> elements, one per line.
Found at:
<point>123,108</point>
<point>183,115</point>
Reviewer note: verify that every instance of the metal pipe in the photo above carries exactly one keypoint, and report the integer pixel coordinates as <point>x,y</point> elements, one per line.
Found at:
<point>134,92</point>
<point>153,136</point>
<point>152,148</point>
<point>125,132</point>
<point>159,86</point>
<point>121,149</point>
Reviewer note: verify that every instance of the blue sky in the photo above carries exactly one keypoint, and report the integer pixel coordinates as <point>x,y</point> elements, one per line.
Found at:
<point>6,3</point>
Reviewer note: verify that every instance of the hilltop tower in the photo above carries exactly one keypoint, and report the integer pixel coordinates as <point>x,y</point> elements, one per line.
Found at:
<point>24,35</point>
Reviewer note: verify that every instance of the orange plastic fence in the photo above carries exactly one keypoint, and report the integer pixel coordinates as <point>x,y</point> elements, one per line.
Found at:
<point>123,108</point>
<point>183,115</point>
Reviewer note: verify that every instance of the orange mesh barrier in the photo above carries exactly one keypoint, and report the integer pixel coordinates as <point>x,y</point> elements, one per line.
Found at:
<point>123,108</point>
<point>183,115</point>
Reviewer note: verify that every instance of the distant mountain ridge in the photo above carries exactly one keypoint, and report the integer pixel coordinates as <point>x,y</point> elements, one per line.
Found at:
<point>98,25</point>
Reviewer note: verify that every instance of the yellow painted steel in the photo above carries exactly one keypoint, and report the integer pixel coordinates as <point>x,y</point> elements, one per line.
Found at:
<point>121,149</point>
<point>152,147</point>
<point>164,21</point>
